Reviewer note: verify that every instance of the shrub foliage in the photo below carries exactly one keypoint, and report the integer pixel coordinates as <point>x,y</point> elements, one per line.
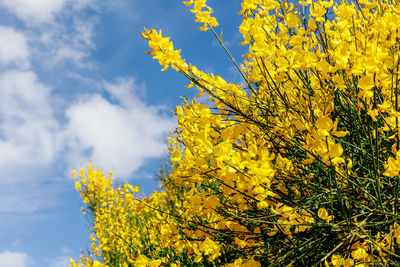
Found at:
<point>297,166</point>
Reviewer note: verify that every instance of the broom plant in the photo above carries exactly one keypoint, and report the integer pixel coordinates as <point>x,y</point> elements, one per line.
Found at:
<point>297,166</point>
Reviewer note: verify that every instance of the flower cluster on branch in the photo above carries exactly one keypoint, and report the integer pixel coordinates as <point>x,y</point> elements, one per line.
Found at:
<point>297,166</point>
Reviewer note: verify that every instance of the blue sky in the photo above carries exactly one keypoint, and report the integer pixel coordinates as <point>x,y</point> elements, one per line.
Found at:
<point>76,86</point>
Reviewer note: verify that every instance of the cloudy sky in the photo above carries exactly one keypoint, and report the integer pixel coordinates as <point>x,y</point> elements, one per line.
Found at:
<point>76,86</point>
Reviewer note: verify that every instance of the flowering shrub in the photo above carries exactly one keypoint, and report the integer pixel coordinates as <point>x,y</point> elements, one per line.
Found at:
<point>298,166</point>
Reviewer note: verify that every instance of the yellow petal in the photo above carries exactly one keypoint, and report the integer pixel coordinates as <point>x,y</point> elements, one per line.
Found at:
<point>359,254</point>
<point>322,213</point>
<point>324,123</point>
<point>317,10</point>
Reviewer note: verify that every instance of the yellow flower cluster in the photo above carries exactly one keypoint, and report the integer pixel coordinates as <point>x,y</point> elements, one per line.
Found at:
<point>203,13</point>
<point>122,225</point>
<point>297,167</point>
<point>163,51</point>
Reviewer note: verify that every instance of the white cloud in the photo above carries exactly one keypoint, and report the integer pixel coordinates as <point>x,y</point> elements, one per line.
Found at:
<point>55,29</point>
<point>22,200</point>
<point>126,92</point>
<point>60,43</point>
<point>84,3</point>
<point>13,259</point>
<point>34,11</point>
<point>114,128</point>
<point>116,136</point>
<point>19,201</point>
<point>13,48</point>
<point>67,53</point>
<point>61,261</point>
<point>26,123</point>
<point>28,141</point>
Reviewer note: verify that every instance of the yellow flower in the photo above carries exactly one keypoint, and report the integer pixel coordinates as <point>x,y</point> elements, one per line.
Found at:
<point>317,10</point>
<point>292,20</point>
<point>337,260</point>
<point>324,123</point>
<point>202,16</point>
<point>251,263</point>
<point>392,168</point>
<point>141,260</point>
<point>98,264</point>
<point>209,247</point>
<point>155,263</point>
<point>359,254</point>
<point>327,4</point>
<point>323,214</point>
